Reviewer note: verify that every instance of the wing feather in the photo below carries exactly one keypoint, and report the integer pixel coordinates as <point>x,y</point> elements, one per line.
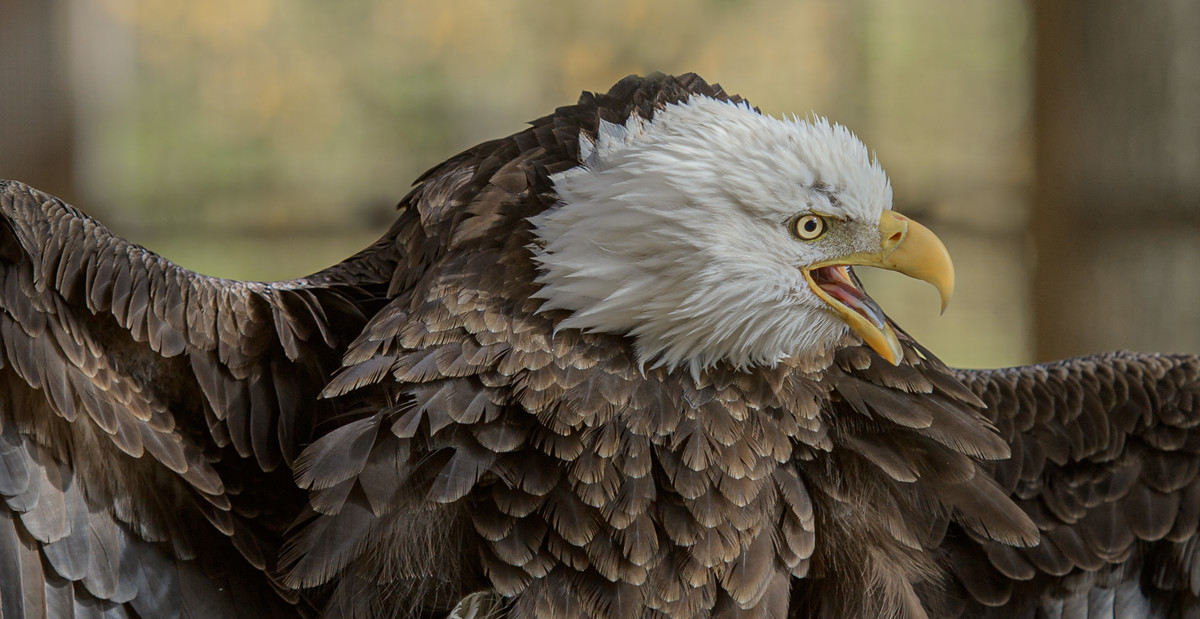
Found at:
<point>166,367</point>
<point>1108,470</point>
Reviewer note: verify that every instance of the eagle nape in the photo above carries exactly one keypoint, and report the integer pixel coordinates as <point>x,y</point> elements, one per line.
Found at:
<point>615,365</point>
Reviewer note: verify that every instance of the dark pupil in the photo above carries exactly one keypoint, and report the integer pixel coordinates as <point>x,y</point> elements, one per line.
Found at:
<point>810,225</point>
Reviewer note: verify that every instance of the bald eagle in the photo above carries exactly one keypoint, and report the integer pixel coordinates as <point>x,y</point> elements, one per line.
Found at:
<point>615,365</point>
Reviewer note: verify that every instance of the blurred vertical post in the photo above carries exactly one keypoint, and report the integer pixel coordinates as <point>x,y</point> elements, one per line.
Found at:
<point>1117,194</point>
<point>36,128</point>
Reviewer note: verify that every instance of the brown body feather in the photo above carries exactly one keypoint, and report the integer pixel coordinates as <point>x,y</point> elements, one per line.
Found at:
<point>167,448</point>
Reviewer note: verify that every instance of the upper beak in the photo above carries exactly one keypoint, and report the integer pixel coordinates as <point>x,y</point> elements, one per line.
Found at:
<point>905,246</point>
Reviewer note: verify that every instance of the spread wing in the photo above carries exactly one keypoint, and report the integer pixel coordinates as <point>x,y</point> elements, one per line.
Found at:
<point>1099,452</point>
<point>1105,456</point>
<point>149,417</point>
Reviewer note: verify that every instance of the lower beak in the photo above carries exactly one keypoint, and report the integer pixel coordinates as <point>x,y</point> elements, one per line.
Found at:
<point>905,246</point>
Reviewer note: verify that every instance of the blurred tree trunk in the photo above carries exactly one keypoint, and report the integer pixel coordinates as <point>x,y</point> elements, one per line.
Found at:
<point>1117,196</point>
<point>36,129</point>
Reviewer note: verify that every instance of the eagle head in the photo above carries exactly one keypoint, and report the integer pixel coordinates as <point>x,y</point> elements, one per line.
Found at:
<point>711,232</point>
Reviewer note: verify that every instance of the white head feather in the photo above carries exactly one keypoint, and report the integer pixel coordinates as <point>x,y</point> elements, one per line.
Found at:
<point>675,231</point>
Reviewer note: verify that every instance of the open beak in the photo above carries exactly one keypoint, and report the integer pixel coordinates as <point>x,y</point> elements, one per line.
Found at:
<point>905,246</point>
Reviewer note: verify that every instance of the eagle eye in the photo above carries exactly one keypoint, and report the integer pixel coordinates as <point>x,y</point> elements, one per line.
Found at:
<point>809,227</point>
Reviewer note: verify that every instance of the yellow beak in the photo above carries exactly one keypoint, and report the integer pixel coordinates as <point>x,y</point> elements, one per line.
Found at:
<point>905,246</point>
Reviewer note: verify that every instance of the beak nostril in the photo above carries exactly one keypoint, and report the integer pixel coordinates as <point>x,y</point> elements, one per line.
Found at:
<point>895,238</point>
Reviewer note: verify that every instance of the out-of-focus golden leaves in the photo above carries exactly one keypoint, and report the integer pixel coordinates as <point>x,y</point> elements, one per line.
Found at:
<point>227,23</point>
<point>171,28</point>
<point>474,37</point>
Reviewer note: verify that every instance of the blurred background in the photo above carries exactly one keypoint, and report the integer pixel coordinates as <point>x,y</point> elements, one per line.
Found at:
<point>1054,146</point>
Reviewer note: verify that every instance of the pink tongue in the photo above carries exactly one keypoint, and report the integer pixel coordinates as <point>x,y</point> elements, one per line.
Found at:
<point>836,281</point>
